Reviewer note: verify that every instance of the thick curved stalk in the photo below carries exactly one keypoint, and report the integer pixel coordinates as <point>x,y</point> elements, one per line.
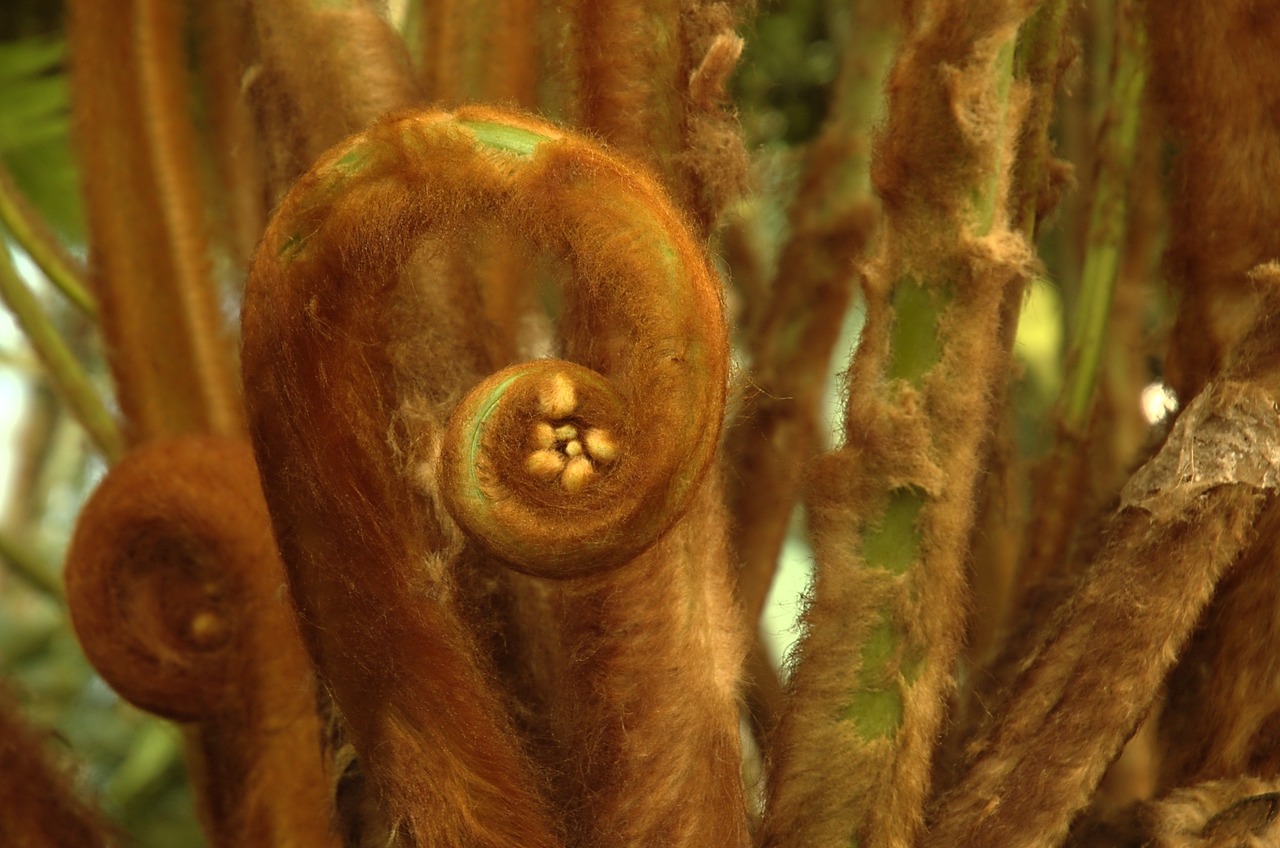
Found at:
<point>1040,761</point>
<point>1213,81</point>
<point>173,583</point>
<point>147,232</point>
<point>1194,507</point>
<point>556,467</point>
<point>1222,704</point>
<point>646,717</point>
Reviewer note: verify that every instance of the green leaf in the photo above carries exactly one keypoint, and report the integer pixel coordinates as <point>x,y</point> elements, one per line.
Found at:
<point>35,129</point>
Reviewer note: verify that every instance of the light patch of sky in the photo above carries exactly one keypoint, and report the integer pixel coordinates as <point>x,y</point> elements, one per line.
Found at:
<point>1039,340</point>
<point>13,385</point>
<point>779,623</point>
<point>780,619</point>
<point>398,11</point>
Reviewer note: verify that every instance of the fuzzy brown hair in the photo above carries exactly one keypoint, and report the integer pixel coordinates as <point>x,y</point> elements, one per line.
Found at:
<point>304,106</point>
<point>645,719</point>
<point>352,454</point>
<point>1040,758</point>
<point>1215,76</point>
<point>885,619</point>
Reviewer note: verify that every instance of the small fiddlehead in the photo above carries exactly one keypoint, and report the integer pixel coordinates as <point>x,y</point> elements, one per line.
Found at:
<point>175,591</point>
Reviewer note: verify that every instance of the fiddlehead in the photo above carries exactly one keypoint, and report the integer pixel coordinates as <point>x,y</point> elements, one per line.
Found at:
<point>557,467</point>
<point>644,322</point>
<point>174,587</point>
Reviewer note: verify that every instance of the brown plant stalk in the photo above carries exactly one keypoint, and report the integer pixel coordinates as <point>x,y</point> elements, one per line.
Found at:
<point>632,69</point>
<point>646,718</point>
<point>651,82</point>
<point>147,230</point>
<point>1222,716</point>
<point>1215,80</point>
<point>1041,757</point>
<point>890,511</point>
<point>323,70</point>
<point>1214,90</point>
<point>480,51</point>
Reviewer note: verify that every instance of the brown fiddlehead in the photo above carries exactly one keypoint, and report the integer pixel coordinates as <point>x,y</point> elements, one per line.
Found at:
<point>176,594</point>
<point>558,467</point>
<point>554,466</point>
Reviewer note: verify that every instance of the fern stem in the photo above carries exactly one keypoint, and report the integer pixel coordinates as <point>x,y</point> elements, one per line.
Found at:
<point>891,510</point>
<point>27,565</point>
<point>147,228</point>
<point>31,233</point>
<point>1117,144</point>
<point>64,371</point>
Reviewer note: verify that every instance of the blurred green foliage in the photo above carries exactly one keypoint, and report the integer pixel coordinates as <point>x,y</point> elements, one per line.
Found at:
<point>35,124</point>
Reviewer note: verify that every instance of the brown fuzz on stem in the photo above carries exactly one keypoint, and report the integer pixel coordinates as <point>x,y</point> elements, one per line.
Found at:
<point>1215,76</point>
<point>630,61</point>
<point>652,81</point>
<point>1243,813</point>
<point>1222,717</point>
<point>1193,508</point>
<point>645,720</point>
<point>890,512</point>
<point>324,70</point>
